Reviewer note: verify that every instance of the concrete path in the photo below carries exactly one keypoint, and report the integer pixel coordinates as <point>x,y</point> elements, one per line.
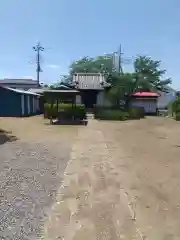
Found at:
<point>91,203</point>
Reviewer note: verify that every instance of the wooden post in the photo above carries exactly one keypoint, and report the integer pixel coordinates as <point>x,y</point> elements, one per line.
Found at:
<point>57,108</point>
<point>72,99</point>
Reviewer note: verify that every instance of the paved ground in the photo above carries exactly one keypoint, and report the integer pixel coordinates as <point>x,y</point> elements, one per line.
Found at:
<point>121,181</point>
<point>31,171</point>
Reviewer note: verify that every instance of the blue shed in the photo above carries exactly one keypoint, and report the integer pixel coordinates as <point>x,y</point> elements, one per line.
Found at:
<point>18,103</point>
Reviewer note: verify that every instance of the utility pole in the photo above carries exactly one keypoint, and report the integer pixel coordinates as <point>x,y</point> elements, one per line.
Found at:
<point>117,60</point>
<point>120,59</point>
<point>38,48</point>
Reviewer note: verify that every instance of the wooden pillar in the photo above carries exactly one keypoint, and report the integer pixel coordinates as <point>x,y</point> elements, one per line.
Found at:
<point>57,107</point>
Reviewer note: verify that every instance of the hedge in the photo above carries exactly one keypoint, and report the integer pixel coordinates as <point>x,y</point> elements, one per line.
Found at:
<point>65,111</point>
<point>111,115</point>
<point>174,109</point>
<point>97,109</point>
<point>118,114</point>
<point>177,116</point>
<point>136,112</point>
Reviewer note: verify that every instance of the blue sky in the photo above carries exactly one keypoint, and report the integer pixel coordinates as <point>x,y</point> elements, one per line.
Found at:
<point>70,29</point>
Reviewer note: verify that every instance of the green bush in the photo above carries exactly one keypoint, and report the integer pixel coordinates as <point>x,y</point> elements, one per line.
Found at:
<point>50,111</point>
<point>65,111</point>
<point>116,115</point>
<point>79,112</point>
<point>136,112</point>
<point>170,108</point>
<point>177,116</point>
<point>174,109</point>
<point>98,108</point>
<point>176,105</point>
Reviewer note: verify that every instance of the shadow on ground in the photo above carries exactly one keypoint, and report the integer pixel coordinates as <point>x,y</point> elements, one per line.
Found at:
<point>6,136</point>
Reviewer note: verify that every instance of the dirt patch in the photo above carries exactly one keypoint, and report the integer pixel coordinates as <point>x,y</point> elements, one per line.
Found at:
<point>6,137</point>
<point>90,203</point>
<point>122,181</point>
<point>147,155</point>
<point>36,128</point>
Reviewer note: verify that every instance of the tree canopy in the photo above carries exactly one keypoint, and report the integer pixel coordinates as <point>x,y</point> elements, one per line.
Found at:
<point>147,71</point>
<point>98,64</point>
<point>147,75</point>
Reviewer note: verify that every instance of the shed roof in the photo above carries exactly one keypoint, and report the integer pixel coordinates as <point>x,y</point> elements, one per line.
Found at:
<point>62,85</point>
<point>90,81</point>
<point>18,81</point>
<point>20,91</point>
<point>145,94</point>
<point>59,91</point>
<point>37,90</point>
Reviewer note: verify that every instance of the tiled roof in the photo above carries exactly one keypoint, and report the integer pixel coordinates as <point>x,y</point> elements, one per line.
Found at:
<point>18,81</point>
<point>94,81</point>
<point>145,94</point>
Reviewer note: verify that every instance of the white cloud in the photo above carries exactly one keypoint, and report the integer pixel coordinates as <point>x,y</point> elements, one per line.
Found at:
<point>53,66</point>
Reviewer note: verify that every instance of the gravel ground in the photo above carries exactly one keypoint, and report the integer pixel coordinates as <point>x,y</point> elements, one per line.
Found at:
<point>30,175</point>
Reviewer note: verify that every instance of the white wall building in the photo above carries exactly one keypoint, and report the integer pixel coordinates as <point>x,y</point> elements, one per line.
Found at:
<point>91,87</point>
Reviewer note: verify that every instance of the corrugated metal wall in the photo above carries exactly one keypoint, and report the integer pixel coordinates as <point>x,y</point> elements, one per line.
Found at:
<point>149,105</point>
<point>10,103</point>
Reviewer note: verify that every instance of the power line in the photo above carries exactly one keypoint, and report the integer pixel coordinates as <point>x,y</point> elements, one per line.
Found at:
<point>38,48</point>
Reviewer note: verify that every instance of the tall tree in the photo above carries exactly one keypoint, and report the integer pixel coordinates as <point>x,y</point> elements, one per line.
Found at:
<point>121,86</point>
<point>98,64</point>
<point>149,75</point>
<point>146,76</point>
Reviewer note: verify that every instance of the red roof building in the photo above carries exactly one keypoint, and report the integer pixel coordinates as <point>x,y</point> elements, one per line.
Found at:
<point>145,94</point>
<point>147,100</point>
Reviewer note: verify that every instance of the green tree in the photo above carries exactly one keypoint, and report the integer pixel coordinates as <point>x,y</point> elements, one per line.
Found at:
<point>122,85</point>
<point>149,75</point>
<point>98,64</point>
<point>146,76</point>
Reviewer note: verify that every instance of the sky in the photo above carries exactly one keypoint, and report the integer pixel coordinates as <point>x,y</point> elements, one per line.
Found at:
<point>70,29</point>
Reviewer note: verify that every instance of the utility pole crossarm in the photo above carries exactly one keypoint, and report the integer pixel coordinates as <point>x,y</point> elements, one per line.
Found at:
<point>38,48</point>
